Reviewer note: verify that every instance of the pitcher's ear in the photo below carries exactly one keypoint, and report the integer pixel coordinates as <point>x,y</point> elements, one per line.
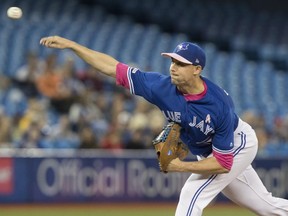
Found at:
<point>198,70</point>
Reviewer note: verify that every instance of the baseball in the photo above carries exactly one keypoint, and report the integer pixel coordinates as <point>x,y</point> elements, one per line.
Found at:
<point>14,12</point>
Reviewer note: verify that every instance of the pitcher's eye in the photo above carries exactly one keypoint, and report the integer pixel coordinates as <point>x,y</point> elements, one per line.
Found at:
<point>178,63</point>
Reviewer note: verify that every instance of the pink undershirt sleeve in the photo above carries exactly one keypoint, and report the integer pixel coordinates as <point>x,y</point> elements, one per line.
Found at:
<point>121,75</point>
<point>225,160</point>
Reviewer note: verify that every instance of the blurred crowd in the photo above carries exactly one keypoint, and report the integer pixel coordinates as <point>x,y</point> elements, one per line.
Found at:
<point>51,105</point>
<point>272,136</point>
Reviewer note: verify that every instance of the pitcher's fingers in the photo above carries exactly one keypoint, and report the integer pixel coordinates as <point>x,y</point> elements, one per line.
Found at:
<point>42,41</point>
<point>45,42</point>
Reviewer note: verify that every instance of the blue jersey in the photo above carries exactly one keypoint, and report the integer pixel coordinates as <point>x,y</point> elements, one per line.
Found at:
<point>207,123</point>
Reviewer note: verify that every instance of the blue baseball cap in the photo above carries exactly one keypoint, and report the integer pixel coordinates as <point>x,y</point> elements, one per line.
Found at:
<point>188,53</point>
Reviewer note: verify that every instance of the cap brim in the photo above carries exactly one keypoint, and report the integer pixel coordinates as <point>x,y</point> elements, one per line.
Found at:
<point>177,57</point>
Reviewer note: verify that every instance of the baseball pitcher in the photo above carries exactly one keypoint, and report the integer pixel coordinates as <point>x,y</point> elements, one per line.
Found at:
<point>208,126</point>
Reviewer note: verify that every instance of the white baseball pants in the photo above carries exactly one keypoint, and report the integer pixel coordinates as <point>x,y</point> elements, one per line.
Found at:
<point>241,185</point>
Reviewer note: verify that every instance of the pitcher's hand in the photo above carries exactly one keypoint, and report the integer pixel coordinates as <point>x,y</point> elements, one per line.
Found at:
<point>56,42</point>
<point>175,165</point>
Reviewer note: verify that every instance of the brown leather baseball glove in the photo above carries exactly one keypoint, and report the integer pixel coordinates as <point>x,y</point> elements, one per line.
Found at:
<point>168,145</point>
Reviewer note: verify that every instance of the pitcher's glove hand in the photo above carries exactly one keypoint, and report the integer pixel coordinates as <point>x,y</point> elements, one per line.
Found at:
<point>168,146</point>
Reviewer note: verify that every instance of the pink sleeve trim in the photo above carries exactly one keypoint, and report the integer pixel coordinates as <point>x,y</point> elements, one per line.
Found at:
<point>121,75</point>
<point>225,160</point>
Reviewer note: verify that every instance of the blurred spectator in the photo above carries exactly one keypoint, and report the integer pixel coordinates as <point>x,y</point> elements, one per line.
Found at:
<point>117,106</point>
<point>70,80</point>
<point>258,124</point>
<point>12,100</point>
<point>146,120</point>
<point>90,110</point>
<point>138,119</point>
<point>31,138</point>
<point>63,135</point>
<point>27,74</point>
<point>88,139</point>
<point>136,140</point>
<point>156,124</point>
<point>112,140</point>
<point>5,132</point>
<point>280,130</point>
<point>92,79</point>
<point>51,85</point>
<point>26,126</point>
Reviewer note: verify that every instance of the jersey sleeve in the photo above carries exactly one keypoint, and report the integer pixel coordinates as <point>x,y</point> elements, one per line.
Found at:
<point>223,141</point>
<point>138,82</point>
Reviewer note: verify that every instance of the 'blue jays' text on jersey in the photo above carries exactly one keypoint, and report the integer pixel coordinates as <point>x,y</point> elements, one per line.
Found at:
<point>207,124</point>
